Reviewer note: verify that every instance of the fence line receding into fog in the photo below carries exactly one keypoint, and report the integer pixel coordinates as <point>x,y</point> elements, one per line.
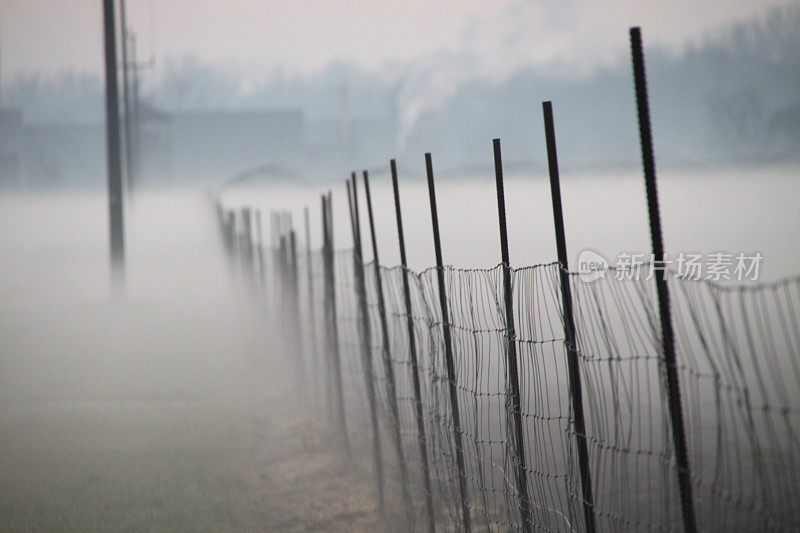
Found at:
<point>528,398</point>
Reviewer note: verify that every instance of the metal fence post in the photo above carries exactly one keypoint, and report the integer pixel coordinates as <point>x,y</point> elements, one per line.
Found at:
<point>230,233</point>
<point>326,318</point>
<point>412,352</point>
<point>333,329</point>
<point>247,239</point>
<point>448,351</point>
<point>573,366</point>
<point>294,291</point>
<point>387,356</point>
<point>513,403</point>
<point>260,248</point>
<point>312,320</point>
<point>364,341</point>
<point>667,340</point>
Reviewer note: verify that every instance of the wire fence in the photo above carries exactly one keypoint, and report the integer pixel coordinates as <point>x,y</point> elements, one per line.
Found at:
<point>532,398</point>
<point>739,366</point>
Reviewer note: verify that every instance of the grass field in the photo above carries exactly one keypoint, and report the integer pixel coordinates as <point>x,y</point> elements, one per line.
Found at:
<point>123,467</point>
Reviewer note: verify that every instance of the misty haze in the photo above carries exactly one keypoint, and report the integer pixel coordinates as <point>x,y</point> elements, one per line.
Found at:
<point>281,266</point>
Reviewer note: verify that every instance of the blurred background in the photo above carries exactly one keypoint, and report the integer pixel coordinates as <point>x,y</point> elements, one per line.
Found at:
<point>315,89</point>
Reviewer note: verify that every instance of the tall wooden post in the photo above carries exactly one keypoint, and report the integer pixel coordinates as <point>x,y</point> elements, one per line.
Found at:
<point>123,22</point>
<point>114,161</point>
<point>136,144</point>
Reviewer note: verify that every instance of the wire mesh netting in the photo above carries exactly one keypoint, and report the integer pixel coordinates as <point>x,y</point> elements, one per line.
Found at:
<point>738,366</point>
<point>738,352</point>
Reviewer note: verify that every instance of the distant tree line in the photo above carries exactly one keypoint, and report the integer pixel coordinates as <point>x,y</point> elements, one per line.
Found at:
<point>733,96</point>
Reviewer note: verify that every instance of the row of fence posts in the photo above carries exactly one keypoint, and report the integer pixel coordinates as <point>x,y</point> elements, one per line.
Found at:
<point>247,244</point>
<point>284,248</point>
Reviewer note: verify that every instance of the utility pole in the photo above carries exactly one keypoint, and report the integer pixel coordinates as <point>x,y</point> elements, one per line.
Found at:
<point>137,132</point>
<point>126,100</point>
<point>115,215</point>
<point>1,93</point>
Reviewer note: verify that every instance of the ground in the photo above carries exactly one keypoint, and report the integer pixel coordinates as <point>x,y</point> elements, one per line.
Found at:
<point>175,466</point>
<point>164,408</point>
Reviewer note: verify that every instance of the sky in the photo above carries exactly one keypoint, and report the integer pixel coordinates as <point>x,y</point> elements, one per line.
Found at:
<point>260,37</point>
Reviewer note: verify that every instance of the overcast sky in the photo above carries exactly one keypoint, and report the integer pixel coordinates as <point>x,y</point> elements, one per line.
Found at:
<point>303,36</point>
